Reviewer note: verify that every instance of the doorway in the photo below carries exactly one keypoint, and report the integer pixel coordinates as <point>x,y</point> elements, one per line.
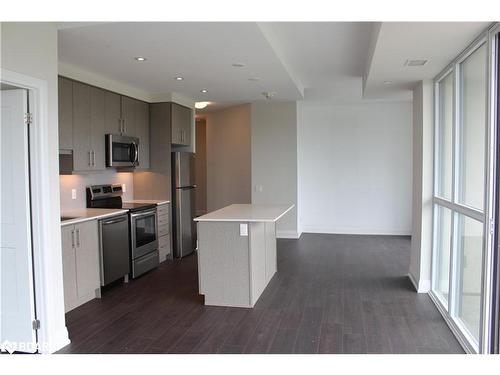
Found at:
<point>18,323</point>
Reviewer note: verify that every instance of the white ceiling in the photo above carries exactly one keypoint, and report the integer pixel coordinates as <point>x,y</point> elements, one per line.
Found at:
<point>202,53</point>
<point>321,60</point>
<point>438,42</point>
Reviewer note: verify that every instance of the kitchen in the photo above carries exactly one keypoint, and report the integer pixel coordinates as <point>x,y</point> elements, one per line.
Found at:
<point>222,205</point>
<point>105,144</point>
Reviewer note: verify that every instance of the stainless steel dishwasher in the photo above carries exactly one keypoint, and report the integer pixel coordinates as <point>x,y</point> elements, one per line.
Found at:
<point>114,249</point>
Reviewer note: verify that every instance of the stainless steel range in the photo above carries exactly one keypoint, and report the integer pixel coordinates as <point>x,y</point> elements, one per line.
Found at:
<point>143,225</point>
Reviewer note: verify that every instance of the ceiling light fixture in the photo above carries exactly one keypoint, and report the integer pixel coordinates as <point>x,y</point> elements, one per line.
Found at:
<point>179,78</point>
<point>254,79</point>
<point>204,91</point>
<point>238,65</point>
<point>417,62</point>
<point>387,82</point>
<point>139,58</point>
<point>268,94</point>
<point>201,105</point>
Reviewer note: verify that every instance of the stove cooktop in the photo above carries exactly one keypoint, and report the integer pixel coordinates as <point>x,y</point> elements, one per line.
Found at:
<point>137,206</point>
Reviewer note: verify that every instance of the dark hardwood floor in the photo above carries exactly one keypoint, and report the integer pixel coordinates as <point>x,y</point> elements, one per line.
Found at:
<point>332,294</point>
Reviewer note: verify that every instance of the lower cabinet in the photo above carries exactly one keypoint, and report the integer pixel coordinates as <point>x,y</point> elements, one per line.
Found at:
<point>81,267</point>
<point>163,232</point>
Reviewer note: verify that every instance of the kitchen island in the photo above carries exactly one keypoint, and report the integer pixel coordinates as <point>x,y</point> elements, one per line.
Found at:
<point>237,253</point>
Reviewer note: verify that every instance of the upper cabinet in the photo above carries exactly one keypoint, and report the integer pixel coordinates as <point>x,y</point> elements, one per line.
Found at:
<point>112,113</point>
<point>87,114</point>
<point>65,114</point>
<point>142,125</point>
<point>129,111</point>
<point>181,118</point>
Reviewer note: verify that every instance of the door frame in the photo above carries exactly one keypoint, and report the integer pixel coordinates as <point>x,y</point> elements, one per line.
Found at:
<point>49,337</point>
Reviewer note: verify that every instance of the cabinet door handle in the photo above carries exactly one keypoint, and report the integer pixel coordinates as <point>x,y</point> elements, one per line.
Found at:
<point>73,238</point>
<point>90,158</point>
<point>78,238</point>
<point>124,126</point>
<point>93,158</point>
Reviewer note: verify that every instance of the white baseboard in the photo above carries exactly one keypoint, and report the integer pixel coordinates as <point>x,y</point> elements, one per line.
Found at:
<point>287,234</point>
<point>359,231</point>
<point>424,286</point>
<point>58,341</point>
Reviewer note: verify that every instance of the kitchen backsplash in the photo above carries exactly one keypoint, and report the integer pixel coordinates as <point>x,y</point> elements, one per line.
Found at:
<point>81,181</point>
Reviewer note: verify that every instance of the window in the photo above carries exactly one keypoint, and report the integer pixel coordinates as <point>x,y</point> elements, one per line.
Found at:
<point>441,280</point>
<point>445,137</point>
<point>459,200</point>
<point>472,126</point>
<point>469,271</point>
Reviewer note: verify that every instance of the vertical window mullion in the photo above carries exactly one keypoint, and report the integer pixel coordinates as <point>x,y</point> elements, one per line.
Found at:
<point>454,177</point>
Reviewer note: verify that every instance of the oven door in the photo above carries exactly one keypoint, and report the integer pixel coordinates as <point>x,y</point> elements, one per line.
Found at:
<point>121,151</point>
<point>143,233</point>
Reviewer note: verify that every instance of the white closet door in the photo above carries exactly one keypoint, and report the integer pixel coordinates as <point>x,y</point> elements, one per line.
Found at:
<point>17,304</point>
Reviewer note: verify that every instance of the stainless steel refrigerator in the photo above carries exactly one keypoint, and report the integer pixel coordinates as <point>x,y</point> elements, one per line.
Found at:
<point>183,203</point>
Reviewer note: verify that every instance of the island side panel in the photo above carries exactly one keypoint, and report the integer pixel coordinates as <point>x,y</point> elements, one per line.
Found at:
<point>271,255</point>
<point>257,260</point>
<point>223,257</point>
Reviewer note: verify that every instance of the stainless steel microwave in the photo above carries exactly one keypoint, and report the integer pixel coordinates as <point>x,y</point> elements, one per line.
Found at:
<point>122,151</point>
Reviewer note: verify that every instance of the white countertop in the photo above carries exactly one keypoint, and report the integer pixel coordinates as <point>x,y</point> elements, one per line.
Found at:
<point>148,201</point>
<point>248,212</point>
<point>86,214</point>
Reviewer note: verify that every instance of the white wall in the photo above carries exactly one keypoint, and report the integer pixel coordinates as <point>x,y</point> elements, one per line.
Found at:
<point>355,167</point>
<point>31,49</point>
<point>228,157</point>
<point>274,159</point>
<point>421,240</point>
<point>81,181</point>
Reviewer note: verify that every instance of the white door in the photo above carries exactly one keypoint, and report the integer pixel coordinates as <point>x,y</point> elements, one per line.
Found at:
<point>17,303</point>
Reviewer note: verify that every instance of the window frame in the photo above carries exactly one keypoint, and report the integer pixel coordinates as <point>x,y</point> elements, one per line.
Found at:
<point>484,216</point>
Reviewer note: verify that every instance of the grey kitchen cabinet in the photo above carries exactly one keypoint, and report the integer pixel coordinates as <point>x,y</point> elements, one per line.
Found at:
<point>163,219</point>
<point>181,119</point>
<point>88,113</point>
<point>129,111</point>
<point>97,128</point>
<point>65,94</point>
<point>69,267</point>
<point>112,113</point>
<point>81,267</point>
<point>142,132</point>
<point>88,128</point>
<point>82,155</point>
<point>157,185</point>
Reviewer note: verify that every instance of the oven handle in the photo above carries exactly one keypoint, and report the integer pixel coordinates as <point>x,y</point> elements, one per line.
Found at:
<point>152,212</point>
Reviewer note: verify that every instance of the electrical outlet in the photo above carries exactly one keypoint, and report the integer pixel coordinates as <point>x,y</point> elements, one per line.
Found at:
<point>243,229</point>
<point>124,188</point>
<point>73,193</point>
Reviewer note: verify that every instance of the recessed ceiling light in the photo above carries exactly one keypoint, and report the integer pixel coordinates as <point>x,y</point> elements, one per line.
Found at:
<point>417,62</point>
<point>139,58</point>
<point>238,65</point>
<point>254,79</point>
<point>387,82</point>
<point>179,78</point>
<point>201,105</point>
<point>204,91</point>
